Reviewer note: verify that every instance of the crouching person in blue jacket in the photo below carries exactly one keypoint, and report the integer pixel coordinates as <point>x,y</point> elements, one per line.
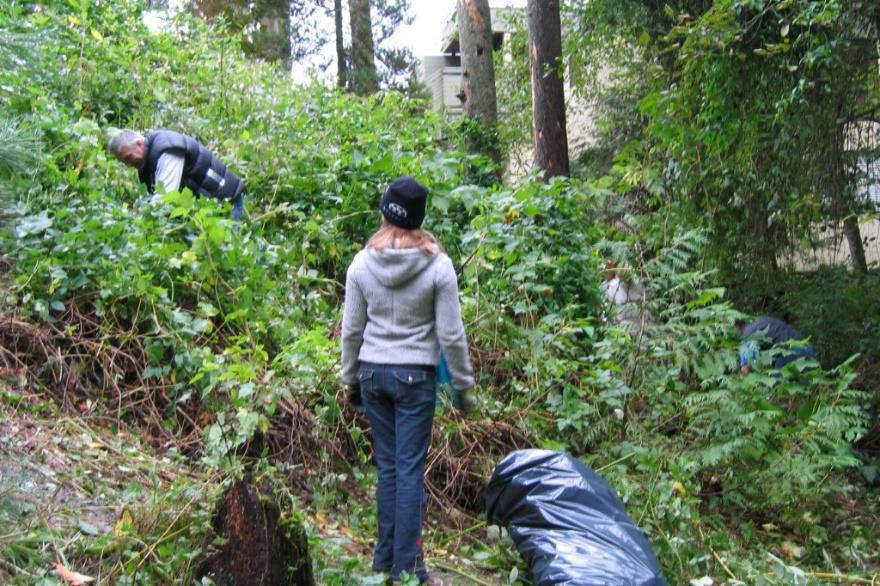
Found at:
<point>766,332</point>
<point>169,161</point>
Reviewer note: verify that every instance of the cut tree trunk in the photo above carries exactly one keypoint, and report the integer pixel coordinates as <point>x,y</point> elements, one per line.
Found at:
<point>257,550</point>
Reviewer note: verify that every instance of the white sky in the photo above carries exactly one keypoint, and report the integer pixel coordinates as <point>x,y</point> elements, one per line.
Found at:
<point>423,36</point>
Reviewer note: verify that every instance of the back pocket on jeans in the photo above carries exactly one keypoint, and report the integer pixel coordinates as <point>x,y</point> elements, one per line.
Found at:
<point>411,377</point>
<point>413,386</point>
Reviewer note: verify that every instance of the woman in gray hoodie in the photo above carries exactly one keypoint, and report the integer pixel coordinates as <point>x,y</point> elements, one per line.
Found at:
<point>401,310</point>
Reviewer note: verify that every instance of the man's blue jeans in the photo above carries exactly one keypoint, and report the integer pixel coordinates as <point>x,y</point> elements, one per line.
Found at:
<point>238,208</point>
<point>399,401</point>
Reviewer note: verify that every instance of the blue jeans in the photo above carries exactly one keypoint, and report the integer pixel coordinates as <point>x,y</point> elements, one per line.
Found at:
<point>238,208</point>
<point>399,401</point>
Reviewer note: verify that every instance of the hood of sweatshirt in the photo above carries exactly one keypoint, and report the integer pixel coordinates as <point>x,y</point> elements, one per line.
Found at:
<point>395,267</point>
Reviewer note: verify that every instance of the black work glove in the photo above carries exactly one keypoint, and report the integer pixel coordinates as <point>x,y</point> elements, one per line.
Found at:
<point>354,394</point>
<point>466,402</point>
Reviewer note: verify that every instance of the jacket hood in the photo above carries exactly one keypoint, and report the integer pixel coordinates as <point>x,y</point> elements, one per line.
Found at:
<point>395,267</point>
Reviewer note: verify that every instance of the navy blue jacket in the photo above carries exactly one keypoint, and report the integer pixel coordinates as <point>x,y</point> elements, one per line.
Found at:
<point>773,331</point>
<point>203,173</point>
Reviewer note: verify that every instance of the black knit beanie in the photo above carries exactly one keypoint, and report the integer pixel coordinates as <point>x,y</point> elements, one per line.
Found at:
<point>403,203</point>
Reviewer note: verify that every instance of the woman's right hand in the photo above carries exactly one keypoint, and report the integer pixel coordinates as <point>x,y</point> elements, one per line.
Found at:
<point>467,401</point>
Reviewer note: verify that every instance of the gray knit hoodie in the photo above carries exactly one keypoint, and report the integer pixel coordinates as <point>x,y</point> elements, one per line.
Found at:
<point>401,307</point>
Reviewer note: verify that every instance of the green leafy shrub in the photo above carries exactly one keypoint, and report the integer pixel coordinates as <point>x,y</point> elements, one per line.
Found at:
<point>223,336</point>
<point>766,439</point>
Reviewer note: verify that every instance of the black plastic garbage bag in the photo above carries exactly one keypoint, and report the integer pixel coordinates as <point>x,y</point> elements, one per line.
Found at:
<point>567,523</point>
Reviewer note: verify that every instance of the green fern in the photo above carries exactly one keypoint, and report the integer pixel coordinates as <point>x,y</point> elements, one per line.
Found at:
<point>19,148</point>
<point>769,437</point>
<point>18,49</point>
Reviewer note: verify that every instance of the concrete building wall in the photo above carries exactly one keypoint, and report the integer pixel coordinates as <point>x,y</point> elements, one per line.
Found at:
<point>442,75</point>
<point>432,76</point>
<point>832,249</point>
<point>451,89</point>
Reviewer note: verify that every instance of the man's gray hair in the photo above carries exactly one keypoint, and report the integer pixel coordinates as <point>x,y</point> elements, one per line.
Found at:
<point>124,138</point>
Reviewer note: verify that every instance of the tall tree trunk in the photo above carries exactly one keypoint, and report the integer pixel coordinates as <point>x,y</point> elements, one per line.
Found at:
<point>364,79</point>
<point>478,76</point>
<point>854,240</point>
<point>548,95</point>
<point>341,59</point>
<point>842,203</point>
<point>866,53</point>
<point>477,69</point>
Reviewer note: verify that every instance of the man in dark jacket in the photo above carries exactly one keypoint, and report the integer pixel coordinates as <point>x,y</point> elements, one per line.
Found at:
<point>766,332</point>
<point>169,161</point>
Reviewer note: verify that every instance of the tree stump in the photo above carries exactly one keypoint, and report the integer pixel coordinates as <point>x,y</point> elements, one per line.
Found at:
<point>257,552</point>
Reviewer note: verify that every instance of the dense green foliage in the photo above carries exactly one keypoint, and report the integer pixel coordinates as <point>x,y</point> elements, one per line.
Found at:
<point>758,115</point>
<point>165,315</point>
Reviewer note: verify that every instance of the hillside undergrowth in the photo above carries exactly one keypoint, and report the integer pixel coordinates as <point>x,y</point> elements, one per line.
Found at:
<point>162,321</point>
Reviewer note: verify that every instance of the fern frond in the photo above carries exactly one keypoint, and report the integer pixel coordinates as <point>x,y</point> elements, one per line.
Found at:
<point>19,148</point>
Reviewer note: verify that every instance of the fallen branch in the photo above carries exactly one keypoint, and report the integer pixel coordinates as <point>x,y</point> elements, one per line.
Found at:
<point>471,578</point>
